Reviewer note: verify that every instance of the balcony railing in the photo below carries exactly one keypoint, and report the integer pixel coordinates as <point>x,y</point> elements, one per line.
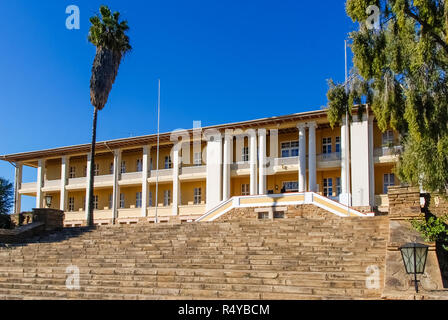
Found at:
<point>335,156</point>
<point>193,169</point>
<point>388,151</point>
<point>131,176</point>
<point>286,161</point>
<point>240,165</point>
<point>162,172</point>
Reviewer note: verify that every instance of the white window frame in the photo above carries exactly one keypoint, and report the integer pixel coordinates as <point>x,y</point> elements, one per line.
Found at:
<point>291,186</point>
<point>150,199</point>
<point>95,202</point>
<point>197,196</point>
<point>139,165</point>
<point>289,149</point>
<point>138,199</point>
<point>328,187</point>
<point>338,186</point>
<point>337,145</point>
<point>122,201</point>
<point>168,163</point>
<point>166,198</point>
<point>111,168</point>
<point>388,138</point>
<point>388,180</point>
<point>197,159</point>
<point>96,169</point>
<point>327,145</point>
<point>71,204</point>
<point>123,167</point>
<point>110,200</point>
<point>245,154</point>
<point>72,173</point>
<point>245,189</point>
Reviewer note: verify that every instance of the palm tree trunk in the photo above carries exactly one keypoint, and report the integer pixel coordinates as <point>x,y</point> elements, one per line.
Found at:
<point>92,169</point>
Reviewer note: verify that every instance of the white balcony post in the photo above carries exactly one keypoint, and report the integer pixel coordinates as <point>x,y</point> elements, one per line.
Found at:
<point>40,182</point>
<point>64,176</point>
<point>262,160</point>
<point>116,186</point>
<point>17,187</point>
<point>214,171</point>
<point>345,197</point>
<point>253,162</point>
<point>89,164</point>
<point>145,169</point>
<point>302,157</point>
<point>371,164</point>
<point>228,146</point>
<point>312,156</point>
<point>176,183</point>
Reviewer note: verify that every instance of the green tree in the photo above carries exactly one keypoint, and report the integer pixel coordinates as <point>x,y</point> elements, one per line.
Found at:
<point>6,196</point>
<point>400,72</point>
<point>108,34</point>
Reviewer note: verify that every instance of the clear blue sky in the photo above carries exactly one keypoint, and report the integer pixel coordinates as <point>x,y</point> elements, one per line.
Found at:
<point>218,61</point>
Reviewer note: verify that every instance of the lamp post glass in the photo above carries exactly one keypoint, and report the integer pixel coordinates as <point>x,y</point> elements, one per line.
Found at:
<point>414,258</point>
<point>48,200</point>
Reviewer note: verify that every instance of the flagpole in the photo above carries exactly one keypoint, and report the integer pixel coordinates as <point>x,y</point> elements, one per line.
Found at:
<point>158,147</point>
<point>347,147</point>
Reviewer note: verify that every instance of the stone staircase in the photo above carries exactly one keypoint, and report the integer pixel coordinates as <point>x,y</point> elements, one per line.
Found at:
<point>299,258</point>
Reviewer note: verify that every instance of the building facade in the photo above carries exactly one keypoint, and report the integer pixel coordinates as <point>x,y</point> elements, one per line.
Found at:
<point>195,170</point>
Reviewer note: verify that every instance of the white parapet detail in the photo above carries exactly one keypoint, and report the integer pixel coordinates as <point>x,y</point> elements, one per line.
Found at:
<point>274,200</point>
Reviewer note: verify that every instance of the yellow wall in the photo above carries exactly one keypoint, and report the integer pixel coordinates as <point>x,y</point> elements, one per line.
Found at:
<point>53,169</point>
<point>321,175</point>
<point>378,136</point>
<point>379,177</point>
<point>278,179</point>
<point>187,191</point>
<point>235,185</point>
<point>327,133</point>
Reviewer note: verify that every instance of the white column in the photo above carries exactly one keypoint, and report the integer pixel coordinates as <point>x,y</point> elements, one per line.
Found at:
<point>40,182</point>
<point>371,164</point>
<point>262,159</point>
<point>302,157</point>
<point>89,164</point>
<point>176,184</point>
<point>312,156</point>
<point>145,170</point>
<point>345,196</point>
<point>360,176</point>
<point>64,177</point>
<point>214,162</point>
<point>17,186</point>
<point>116,186</point>
<point>228,146</point>
<point>253,162</point>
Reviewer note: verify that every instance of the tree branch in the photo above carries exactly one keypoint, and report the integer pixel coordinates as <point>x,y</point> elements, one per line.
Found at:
<point>426,26</point>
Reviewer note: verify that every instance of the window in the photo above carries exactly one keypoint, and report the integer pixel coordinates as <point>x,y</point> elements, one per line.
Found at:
<point>338,186</point>
<point>290,149</point>
<point>168,164</point>
<point>388,138</point>
<point>95,202</point>
<point>150,198</point>
<point>71,204</point>
<point>291,186</point>
<point>245,189</point>
<point>96,170</point>
<point>139,165</point>
<point>150,164</point>
<point>197,160</point>
<point>328,187</point>
<point>72,173</point>
<point>85,171</point>
<point>166,198</point>
<point>123,167</point>
<point>263,215</point>
<point>389,180</point>
<point>197,196</point>
<point>326,145</point>
<point>110,201</point>
<point>279,215</point>
<point>122,200</point>
<point>138,200</point>
<point>338,145</point>
<point>245,154</point>
<point>111,168</point>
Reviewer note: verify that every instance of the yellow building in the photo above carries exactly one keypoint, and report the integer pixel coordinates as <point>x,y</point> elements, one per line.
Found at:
<point>200,168</point>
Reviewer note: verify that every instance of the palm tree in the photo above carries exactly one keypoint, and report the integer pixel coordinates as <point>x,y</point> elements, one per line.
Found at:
<point>112,43</point>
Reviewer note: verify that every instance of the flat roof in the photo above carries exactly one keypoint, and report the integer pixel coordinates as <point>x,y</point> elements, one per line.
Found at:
<point>152,138</point>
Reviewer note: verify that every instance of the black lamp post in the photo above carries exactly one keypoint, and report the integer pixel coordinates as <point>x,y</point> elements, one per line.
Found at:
<point>414,258</point>
<point>48,200</point>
